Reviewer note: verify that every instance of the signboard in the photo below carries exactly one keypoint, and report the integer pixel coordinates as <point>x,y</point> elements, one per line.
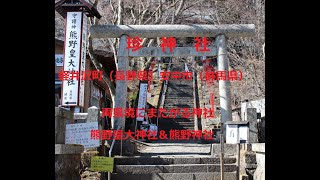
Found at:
<point>73,54</point>
<point>142,101</point>
<point>232,134</point>
<point>103,164</point>
<point>80,134</point>
<point>59,59</point>
<point>243,134</point>
<point>83,58</point>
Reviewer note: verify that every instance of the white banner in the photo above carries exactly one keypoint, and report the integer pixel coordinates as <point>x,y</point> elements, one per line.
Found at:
<point>72,47</point>
<point>142,100</point>
<point>59,59</point>
<point>80,133</point>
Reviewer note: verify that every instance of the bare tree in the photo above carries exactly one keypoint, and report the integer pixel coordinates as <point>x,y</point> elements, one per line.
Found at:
<point>245,54</point>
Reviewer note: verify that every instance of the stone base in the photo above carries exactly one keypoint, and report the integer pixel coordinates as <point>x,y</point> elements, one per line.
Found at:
<point>259,148</point>
<point>67,161</point>
<point>86,158</point>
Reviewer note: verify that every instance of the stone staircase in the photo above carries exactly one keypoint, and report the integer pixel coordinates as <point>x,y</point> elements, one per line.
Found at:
<point>173,168</point>
<point>179,94</point>
<point>174,161</point>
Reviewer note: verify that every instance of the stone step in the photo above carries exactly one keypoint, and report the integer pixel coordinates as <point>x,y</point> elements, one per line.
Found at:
<point>175,176</point>
<point>179,119</point>
<point>168,107</point>
<point>177,115</point>
<point>179,123</point>
<point>168,128</point>
<point>143,160</point>
<point>180,100</point>
<point>171,98</point>
<point>184,123</point>
<point>179,81</point>
<point>180,94</point>
<point>170,95</point>
<point>179,105</point>
<point>176,124</point>
<point>173,125</point>
<point>179,88</point>
<point>173,168</point>
<point>182,119</point>
<point>176,120</point>
<point>174,90</point>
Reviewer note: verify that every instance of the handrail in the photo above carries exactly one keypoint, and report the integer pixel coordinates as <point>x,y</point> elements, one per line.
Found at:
<point>163,92</point>
<point>111,148</point>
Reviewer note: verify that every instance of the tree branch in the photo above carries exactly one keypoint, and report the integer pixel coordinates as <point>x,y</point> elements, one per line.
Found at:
<point>96,64</point>
<point>120,7</point>
<point>177,11</point>
<point>179,8</point>
<point>190,6</point>
<point>152,14</point>
<point>132,14</point>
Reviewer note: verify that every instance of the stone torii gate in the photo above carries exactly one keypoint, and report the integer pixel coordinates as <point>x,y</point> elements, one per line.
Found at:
<point>153,31</point>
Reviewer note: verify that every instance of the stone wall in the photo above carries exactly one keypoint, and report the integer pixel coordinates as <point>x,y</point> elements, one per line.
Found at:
<point>259,148</point>
<point>67,156</point>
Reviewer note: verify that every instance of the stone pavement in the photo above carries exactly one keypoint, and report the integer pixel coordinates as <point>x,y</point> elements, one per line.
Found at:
<point>175,149</point>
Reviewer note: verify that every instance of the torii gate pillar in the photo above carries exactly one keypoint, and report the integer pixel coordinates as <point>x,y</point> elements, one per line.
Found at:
<point>121,86</point>
<point>224,85</point>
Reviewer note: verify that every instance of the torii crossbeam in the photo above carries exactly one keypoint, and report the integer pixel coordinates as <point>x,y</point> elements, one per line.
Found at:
<point>153,31</point>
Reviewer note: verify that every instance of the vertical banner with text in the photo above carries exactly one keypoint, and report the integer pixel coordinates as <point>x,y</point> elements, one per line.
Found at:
<point>73,46</point>
<point>142,101</point>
